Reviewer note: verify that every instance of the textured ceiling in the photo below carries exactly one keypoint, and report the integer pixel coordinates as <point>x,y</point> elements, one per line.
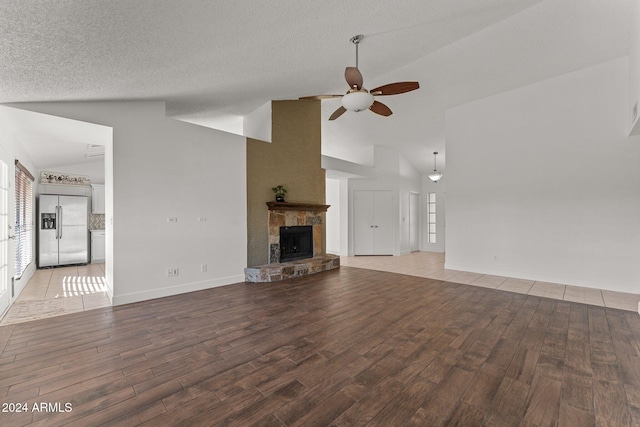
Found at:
<point>213,61</point>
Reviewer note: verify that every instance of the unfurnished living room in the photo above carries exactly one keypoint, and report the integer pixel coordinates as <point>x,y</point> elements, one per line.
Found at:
<point>320,213</point>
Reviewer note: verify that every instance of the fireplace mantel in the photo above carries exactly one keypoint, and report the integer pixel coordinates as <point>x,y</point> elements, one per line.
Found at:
<point>287,206</point>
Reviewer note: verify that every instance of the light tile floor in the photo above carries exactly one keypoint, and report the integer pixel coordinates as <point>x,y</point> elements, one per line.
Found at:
<point>431,265</point>
<point>57,291</point>
<point>62,290</point>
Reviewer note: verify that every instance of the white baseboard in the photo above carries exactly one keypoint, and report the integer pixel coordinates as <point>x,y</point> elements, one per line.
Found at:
<point>175,290</point>
<point>19,285</point>
<point>109,289</point>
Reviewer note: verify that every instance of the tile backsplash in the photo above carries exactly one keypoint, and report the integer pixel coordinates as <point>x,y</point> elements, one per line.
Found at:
<point>96,222</point>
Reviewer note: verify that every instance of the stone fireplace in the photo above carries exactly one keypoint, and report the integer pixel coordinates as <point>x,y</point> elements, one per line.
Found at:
<point>302,225</point>
<point>295,215</point>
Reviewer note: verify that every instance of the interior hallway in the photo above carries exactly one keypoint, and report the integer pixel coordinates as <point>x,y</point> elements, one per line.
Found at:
<point>431,265</point>
<point>57,291</point>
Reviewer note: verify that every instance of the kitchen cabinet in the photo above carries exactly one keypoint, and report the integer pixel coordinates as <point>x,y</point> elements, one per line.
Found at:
<point>373,222</point>
<point>97,199</point>
<point>97,246</point>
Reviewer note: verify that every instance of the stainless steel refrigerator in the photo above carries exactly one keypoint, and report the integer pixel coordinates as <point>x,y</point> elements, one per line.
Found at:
<point>62,230</point>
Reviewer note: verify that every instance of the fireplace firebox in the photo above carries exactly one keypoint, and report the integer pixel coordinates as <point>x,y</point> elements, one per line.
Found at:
<point>296,242</point>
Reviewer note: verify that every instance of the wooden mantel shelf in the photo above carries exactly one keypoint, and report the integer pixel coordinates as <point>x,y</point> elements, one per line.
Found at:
<point>288,206</point>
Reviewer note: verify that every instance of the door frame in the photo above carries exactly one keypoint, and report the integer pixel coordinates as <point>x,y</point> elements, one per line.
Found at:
<point>7,245</point>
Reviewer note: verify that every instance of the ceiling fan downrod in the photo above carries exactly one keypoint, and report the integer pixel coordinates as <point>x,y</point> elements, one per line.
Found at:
<point>356,40</point>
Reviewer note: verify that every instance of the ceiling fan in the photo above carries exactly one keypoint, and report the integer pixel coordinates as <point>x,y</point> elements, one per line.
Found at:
<point>358,98</point>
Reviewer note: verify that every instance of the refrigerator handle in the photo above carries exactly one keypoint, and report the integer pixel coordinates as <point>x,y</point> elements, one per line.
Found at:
<point>60,223</point>
<point>57,224</point>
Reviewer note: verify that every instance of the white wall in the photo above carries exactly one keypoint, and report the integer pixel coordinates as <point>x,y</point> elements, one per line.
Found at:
<point>392,172</point>
<point>634,70</point>
<point>333,225</point>
<point>94,169</point>
<point>163,168</point>
<point>257,124</point>
<point>544,179</point>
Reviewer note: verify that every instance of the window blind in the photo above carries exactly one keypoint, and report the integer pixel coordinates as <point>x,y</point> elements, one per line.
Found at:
<point>24,218</point>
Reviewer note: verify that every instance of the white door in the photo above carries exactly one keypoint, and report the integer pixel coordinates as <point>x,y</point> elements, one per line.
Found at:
<point>414,236</point>
<point>5,235</point>
<point>383,222</point>
<point>363,222</point>
<point>373,222</point>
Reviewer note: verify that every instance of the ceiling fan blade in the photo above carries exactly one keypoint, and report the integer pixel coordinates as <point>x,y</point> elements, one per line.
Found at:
<point>353,77</point>
<point>395,88</point>
<point>379,108</point>
<point>320,97</point>
<point>340,111</point>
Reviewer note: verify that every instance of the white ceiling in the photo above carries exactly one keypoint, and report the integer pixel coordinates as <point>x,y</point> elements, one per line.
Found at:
<point>55,141</point>
<point>213,61</point>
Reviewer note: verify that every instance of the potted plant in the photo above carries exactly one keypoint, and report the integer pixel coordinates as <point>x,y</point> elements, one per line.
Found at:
<point>280,191</point>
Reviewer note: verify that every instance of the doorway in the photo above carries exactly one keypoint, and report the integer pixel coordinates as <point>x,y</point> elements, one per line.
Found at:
<point>414,221</point>
<point>75,148</point>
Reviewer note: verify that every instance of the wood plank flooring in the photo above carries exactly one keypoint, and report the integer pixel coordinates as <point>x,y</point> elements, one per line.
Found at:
<point>350,347</point>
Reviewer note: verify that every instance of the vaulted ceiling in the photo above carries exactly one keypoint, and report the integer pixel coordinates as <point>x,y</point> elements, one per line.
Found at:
<point>215,61</point>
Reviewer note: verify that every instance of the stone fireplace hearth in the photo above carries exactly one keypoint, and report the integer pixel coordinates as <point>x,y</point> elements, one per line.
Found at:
<point>281,215</point>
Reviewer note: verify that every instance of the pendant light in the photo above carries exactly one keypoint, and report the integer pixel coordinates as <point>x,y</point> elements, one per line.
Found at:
<point>435,175</point>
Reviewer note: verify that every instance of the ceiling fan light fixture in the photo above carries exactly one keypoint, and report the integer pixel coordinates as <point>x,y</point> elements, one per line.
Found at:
<point>435,175</point>
<point>357,100</point>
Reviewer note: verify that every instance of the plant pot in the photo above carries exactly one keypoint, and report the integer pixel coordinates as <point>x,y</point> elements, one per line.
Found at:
<point>279,198</point>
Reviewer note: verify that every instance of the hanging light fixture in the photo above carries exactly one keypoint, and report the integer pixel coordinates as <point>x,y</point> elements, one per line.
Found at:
<point>358,98</point>
<point>435,175</point>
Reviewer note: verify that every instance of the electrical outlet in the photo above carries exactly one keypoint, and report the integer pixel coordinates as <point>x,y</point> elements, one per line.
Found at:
<point>495,257</point>
<point>203,268</point>
<point>172,272</point>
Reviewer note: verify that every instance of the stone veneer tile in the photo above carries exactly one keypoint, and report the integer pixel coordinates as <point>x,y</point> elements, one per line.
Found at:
<point>274,234</point>
<point>290,218</point>
<point>301,218</point>
<point>317,240</point>
<point>277,218</point>
<point>280,271</point>
<point>274,252</point>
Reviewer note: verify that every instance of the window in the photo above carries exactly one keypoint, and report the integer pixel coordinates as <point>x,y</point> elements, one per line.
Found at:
<point>431,209</point>
<point>24,219</point>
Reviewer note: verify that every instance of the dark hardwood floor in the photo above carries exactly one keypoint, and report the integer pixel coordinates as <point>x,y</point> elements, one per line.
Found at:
<point>345,348</point>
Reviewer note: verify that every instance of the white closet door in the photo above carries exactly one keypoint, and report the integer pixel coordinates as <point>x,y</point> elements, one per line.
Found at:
<point>363,222</point>
<point>373,222</point>
<point>383,219</point>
